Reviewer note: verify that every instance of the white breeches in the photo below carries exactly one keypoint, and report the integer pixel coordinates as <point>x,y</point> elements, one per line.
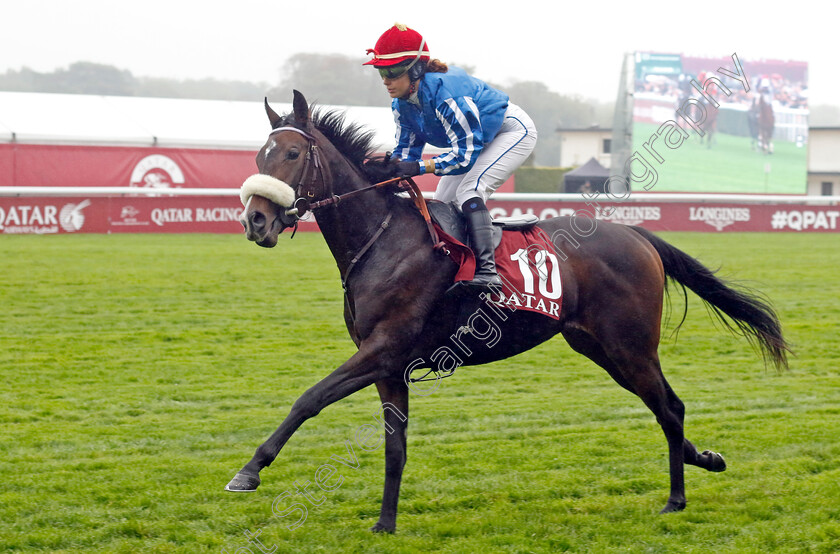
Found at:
<point>495,164</point>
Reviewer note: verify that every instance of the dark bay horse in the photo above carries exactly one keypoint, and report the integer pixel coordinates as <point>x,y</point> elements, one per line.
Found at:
<point>397,313</point>
<point>710,125</point>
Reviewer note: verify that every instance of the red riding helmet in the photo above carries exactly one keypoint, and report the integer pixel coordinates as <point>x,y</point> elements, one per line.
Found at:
<point>396,45</point>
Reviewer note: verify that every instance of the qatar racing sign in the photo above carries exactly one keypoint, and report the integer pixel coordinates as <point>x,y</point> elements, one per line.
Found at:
<point>158,172</point>
<point>42,218</point>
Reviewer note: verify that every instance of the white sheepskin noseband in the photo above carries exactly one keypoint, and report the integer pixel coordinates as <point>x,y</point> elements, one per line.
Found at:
<point>268,187</point>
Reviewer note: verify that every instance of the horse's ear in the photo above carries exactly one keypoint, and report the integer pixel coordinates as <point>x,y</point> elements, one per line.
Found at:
<point>301,109</point>
<point>272,115</point>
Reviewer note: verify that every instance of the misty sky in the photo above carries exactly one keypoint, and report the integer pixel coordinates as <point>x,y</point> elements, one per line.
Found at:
<point>574,48</point>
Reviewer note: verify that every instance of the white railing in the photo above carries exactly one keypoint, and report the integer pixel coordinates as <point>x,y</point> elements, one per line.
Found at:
<point>499,196</point>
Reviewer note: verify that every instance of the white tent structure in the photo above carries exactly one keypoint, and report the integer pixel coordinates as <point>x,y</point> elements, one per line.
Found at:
<point>42,118</point>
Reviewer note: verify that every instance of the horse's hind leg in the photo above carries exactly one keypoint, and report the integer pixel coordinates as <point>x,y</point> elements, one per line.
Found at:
<point>642,375</point>
<point>708,460</point>
<point>645,377</point>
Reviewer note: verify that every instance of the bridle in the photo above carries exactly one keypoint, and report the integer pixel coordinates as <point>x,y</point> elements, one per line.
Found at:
<point>312,160</point>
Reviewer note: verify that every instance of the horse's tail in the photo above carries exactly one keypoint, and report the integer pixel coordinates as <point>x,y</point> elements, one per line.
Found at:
<point>749,314</point>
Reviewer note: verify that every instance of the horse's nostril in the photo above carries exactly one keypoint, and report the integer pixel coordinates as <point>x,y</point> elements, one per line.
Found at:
<point>257,221</point>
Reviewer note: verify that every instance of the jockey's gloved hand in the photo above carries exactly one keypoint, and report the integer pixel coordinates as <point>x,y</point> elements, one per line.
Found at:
<point>408,169</point>
<point>381,169</point>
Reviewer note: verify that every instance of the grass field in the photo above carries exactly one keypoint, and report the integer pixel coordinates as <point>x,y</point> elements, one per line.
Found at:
<point>729,166</point>
<point>140,372</point>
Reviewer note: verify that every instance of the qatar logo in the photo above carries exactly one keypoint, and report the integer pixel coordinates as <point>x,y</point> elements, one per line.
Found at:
<point>129,212</point>
<point>71,217</point>
<point>156,172</point>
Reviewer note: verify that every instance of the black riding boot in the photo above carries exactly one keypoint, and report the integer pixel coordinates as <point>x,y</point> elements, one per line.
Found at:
<point>480,230</point>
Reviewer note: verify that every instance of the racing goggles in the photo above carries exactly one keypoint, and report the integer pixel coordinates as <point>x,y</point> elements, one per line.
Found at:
<point>394,71</point>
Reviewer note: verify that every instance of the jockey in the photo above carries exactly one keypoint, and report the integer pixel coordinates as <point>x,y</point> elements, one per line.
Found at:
<point>488,137</point>
<point>765,89</point>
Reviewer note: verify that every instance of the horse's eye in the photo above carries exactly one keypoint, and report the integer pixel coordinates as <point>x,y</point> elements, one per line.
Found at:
<point>292,155</point>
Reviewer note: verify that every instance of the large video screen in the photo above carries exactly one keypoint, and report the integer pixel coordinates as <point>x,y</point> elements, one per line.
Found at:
<point>722,125</point>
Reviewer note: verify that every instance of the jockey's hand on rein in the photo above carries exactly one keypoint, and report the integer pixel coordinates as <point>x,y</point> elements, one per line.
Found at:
<point>408,169</point>
<point>380,169</point>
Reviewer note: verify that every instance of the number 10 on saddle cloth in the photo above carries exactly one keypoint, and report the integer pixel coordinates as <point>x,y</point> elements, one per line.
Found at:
<point>529,268</point>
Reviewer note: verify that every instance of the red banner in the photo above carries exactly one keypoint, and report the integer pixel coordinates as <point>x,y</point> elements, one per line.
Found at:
<point>168,214</point>
<point>50,165</point>
<point>40,165</point>
<point>688,216</point>
<point>7,164</point>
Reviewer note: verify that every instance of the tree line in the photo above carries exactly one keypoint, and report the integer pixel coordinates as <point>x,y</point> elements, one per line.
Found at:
<point>94,78</point>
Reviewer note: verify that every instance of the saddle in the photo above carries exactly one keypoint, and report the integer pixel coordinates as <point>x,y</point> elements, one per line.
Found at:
<point>452,222</point>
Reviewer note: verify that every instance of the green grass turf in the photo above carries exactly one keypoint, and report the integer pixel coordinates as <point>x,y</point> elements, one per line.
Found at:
<point>729,166</point>
<point>141,371</point>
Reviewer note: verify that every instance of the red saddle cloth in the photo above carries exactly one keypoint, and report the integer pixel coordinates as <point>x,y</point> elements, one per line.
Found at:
<point>528,265</point>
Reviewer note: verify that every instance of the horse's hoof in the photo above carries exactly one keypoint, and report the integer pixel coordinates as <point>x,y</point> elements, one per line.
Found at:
<point>243,483</point>
<point>673,506</point>
<point>381,528</point>
<point>716,463</point>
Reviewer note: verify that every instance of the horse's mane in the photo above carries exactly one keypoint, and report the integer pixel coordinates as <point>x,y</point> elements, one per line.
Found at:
<point>353,140</point>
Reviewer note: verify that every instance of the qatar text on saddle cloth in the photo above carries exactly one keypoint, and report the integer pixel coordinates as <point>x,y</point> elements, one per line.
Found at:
<point>528,266</point>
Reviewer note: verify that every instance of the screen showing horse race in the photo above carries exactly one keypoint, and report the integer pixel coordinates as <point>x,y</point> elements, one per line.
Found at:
<point>718,125</point>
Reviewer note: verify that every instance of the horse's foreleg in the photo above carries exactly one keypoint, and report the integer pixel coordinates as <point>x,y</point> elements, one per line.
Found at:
<point>392,393</point>
<point>364,368</point>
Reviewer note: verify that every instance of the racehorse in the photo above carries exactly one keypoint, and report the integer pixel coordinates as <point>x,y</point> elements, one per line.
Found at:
<point>710,125</point>
<point>766,125</point>
<point>397,312</point>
